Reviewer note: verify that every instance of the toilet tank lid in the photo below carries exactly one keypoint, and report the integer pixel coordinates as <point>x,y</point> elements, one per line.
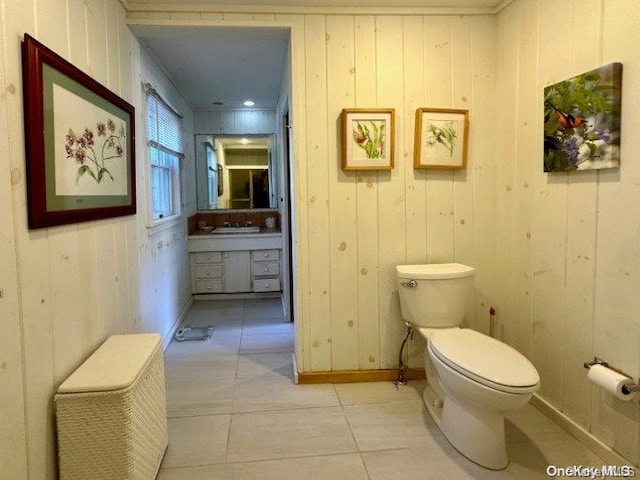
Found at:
<point>434,271</point>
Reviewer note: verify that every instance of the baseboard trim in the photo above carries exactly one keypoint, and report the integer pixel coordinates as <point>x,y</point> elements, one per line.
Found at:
<point>356,376</point>
<point>169,336</point>
<point>579,432</point>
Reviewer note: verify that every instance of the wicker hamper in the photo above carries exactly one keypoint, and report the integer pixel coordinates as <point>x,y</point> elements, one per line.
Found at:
<point>111,412</point>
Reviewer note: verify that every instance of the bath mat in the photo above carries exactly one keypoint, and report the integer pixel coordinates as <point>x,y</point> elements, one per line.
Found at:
<point>193,333</point>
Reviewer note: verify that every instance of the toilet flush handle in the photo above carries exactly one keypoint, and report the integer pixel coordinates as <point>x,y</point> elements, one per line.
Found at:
<point>409,284</point>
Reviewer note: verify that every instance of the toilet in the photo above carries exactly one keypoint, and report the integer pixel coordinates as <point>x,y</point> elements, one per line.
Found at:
<point>473,379</point>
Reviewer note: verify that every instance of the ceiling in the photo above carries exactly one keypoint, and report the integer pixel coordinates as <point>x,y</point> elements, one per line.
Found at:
<point>338,3</point>
<point>220,64</point>
<point>231,64</point>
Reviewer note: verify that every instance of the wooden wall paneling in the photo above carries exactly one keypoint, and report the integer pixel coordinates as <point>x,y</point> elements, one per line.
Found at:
<point>480,222</point>
<point>32,259</point>
<point>300,192</point>
<point>616,327</point>
<point>367,215</point>
<point>527,158</point>
<point>50,19</point>
<point>96,40</point>
<point>391,189</point>
<point>550,229</point>
<point>76,22</point>
<point>226,122</point>
<point>415,179</point>
<point>236,17</point>
<point>13,446</point>
<point>342,197</point>
<point>438,94</point>
<point>317,160</point>
<point>582,207</point>
<point>112,21</point>
<point>462,92</point>
<point>506,188</point>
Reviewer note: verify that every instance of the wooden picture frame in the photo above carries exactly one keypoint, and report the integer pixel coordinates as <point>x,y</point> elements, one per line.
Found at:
<point>441,138</point>
<point>368,138</point>
<point>80,143</point>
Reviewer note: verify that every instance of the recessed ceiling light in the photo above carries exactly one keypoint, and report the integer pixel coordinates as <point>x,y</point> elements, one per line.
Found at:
<point>248,103</point>
<point>244,141</point>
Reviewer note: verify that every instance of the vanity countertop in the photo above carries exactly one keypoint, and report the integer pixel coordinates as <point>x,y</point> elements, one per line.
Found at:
<point>200,241</point>
<point>264,231</point>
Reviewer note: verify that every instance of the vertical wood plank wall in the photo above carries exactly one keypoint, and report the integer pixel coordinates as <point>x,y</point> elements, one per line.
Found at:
<point>569,244</point>
<point>355,227</point>
<point>65,289</point>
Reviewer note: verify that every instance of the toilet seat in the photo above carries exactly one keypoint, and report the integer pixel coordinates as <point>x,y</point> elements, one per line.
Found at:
<point>484,360</point>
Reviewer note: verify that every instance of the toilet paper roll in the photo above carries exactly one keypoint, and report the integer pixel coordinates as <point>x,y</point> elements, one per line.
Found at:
<point>611,381</point>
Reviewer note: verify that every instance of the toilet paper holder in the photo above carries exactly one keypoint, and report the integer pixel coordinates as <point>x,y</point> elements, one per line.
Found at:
<point>635,387</point>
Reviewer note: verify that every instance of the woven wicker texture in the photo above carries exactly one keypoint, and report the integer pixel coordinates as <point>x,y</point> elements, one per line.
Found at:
<point>120,434</point>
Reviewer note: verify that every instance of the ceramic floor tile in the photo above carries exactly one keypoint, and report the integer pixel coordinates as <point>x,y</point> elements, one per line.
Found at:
<point>267,343</point>
<point>531,459</point>
<point>197,440</point>
<point>385,426</point>
<point>191,398</point>
<point>334,467</point>
<point>530,424</point>
<point>205,472</point>
<point>263,308</point>
<point>287,434</point>
<point>280,393</point>
<point>268,326</point>
<point>210,349</point>
<point>197,369</point>
<point>380,392</point>
<point>432,463</point>
<point>265,364</point>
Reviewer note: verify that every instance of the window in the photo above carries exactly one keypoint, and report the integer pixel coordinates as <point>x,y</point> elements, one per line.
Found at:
<point>166,147</point>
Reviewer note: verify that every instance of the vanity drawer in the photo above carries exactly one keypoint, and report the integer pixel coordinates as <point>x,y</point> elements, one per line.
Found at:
<point>266,285</point>
<point>208,257</point>
<point>261,269</point>
<point>208,271</point>
<point>265,255</point>
<point>209,286</point>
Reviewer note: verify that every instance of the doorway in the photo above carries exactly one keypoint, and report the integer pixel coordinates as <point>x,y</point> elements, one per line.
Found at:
<point>217,68</point>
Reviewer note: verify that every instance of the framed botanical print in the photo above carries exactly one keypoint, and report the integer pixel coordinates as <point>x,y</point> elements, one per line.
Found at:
<point>79,143</point>
<point>368,138</point>
<point>441,138</point>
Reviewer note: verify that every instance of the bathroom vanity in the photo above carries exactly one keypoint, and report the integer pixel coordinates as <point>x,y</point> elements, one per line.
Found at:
<point>233,262</point>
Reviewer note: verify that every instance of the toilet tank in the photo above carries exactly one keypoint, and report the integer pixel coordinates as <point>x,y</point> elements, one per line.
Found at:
<point>434,295</point>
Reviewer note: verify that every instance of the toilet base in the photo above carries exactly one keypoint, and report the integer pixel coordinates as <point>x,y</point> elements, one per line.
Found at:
<point>477,434</point>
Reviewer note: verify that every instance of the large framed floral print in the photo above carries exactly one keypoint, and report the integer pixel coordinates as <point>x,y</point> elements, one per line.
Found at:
<point>80,150</point>
<point>368,138</point>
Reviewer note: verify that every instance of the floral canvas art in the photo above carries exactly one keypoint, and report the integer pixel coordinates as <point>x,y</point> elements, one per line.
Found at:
<point>367,139</point>
<point>440,138</point>
<point>582,121</point>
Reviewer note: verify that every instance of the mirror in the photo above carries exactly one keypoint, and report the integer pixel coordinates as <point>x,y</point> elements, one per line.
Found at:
<point>235,172</point>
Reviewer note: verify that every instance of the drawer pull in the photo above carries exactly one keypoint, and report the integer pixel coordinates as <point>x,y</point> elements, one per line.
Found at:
<point>266,285</point>
<point>266,254</point>
<point>266,269</point>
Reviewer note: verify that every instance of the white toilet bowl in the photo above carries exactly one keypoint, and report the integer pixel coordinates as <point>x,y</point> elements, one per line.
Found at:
<point>472,379</point>
<point>482,379</point>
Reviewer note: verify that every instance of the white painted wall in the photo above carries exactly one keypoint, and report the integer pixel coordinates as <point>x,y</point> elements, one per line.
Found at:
<point>569,244</point>
<point>65,289</point>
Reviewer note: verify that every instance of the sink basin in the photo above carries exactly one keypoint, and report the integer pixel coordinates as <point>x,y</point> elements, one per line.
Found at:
<point>251,229</point>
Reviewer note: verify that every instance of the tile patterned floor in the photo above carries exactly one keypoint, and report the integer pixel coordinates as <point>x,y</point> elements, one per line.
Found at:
<point>235,414</point>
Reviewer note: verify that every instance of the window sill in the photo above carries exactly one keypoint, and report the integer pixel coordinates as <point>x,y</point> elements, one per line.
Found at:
<point>156,226</point>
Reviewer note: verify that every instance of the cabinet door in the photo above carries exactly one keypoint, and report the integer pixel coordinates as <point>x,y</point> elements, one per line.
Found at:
<point>236,271</point>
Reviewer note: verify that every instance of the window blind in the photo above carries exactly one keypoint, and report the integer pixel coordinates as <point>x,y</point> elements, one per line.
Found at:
<point>164,125</point>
